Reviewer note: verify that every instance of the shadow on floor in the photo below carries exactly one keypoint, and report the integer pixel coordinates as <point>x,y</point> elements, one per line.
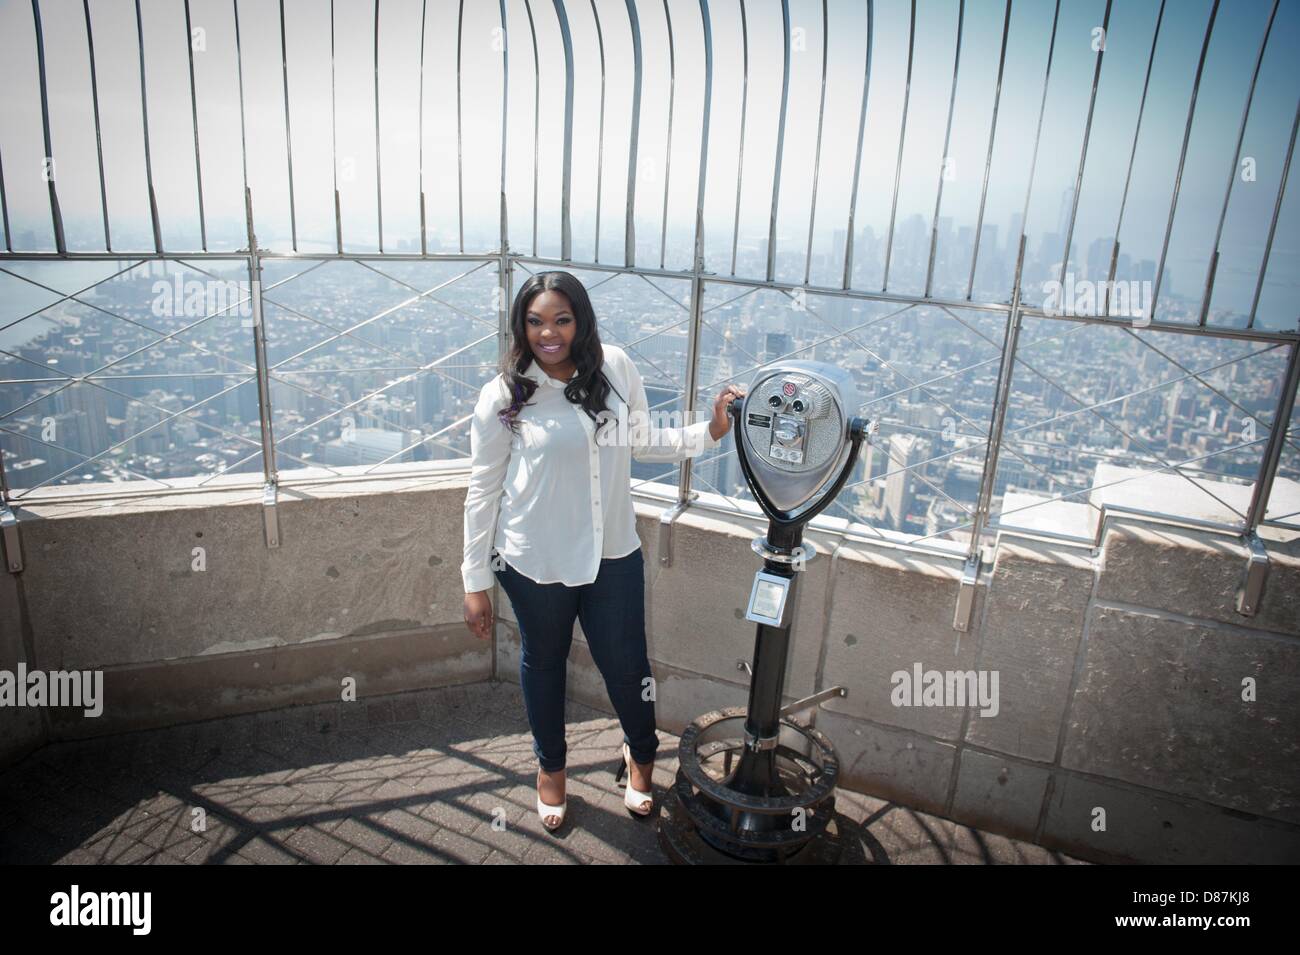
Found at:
<point>445,775</point>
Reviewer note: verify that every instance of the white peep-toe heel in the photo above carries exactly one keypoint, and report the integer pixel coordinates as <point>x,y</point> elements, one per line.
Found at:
<point>637,802</point>
<point>545,810</point>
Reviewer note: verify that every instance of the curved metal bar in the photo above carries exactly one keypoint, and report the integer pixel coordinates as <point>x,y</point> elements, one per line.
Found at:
<point>288,130</point>
<point>691,384</point>
<point>600,129</point>
<point>740,144</point>
<point>629,235</point>
<point>194,118</point>
<point>1042,108</point>
<point>566,168</point>
<point>379,162</point>
<point>1272,228</point>
<point>334,142</point>
<point>56,216</point>
<point>4,209</point>
<point>707,26</point>
<point>99,141</point>
<point>1232,173</point>
<point>902,138</point>
<point>537,88</point>
<point>1083,149</point>
<point>419,132</point>
<point>817,152</point>
<point>504,245</point>
<point>857,166</point>
<point>780,142</point>
<point>243,137</point>
<point>1128,176</point>
<point>144,122</point>
<point>988,159</point>
<point>947,139</point>
<point>1182,159</point>
<point>460,139</point>
<point>668,148</point>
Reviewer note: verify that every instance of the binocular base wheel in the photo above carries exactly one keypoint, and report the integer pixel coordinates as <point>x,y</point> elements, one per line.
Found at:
<point>741,802</point>
<point>679,838</point>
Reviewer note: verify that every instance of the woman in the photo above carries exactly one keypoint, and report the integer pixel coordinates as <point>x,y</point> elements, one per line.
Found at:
<point>550,495</point>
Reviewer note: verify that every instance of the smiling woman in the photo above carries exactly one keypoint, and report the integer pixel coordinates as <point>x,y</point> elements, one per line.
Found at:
<point>549,515</point>
<point>551,325</point>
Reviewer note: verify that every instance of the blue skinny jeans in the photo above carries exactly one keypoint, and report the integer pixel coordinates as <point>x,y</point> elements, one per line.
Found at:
<point>611,610</point>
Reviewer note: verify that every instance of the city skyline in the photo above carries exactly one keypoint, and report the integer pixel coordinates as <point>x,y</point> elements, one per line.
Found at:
<point>1121,141</point>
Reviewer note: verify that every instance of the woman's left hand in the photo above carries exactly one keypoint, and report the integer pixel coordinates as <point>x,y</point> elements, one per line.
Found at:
<point>721,422</point>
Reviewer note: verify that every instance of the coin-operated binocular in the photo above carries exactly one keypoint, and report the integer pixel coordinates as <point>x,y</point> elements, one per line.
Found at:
<point>753,786</point>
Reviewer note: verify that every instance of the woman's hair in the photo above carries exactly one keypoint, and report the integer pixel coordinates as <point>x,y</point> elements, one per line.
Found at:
<point>589,388</point>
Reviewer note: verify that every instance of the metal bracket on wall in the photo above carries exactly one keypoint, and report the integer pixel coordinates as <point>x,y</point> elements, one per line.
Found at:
<point>270,516</point>
<point>666,520</point>
<point>817,699</point>
<point>1251,591</point>
<point>966,594</point>
<point>12,542</point>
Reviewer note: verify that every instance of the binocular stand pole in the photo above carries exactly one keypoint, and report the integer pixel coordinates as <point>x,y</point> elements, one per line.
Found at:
<point>752,785</point>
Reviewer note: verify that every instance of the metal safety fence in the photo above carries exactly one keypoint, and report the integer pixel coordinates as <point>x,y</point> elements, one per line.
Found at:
<point>151,339</point>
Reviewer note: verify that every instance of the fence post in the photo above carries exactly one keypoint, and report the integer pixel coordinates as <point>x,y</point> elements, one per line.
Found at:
<point>270,518</point>
<point>1251,590</point>
<point>970,574</point>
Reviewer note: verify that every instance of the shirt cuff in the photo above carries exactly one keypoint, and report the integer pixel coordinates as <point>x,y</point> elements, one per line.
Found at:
<point>479,578</point>
<point>698,437</point>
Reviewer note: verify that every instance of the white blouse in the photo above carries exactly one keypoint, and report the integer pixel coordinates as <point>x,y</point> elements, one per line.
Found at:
<point>554,499</point>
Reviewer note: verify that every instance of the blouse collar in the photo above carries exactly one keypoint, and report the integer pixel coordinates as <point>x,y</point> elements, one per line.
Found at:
<point>542,378</point>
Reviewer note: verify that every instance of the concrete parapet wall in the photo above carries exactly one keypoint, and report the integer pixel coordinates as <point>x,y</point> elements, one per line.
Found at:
<point>189,615</point>
<point>1120,730</point>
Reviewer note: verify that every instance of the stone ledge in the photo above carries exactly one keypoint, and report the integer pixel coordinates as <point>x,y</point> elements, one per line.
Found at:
<point>1196,573</point>
<point>1159,704</point>
<point>200,688</point>
<point>347,565</point>
<point>891,610</point>
<point>1146,828</point>
<point>1007,794</point>
<point>1030,635</point>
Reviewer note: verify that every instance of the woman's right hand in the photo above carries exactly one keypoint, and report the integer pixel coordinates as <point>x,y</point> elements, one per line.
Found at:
<point>478,614</point>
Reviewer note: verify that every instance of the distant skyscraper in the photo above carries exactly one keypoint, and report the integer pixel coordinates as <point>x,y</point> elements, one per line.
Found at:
<point>775,345</point>
<point>988,241</point>
<point>965,243</point>
<point>913,243</point>
<point>945,227</point>
<point>428,399</point>
<point>1013,234</point>
<point>900,486</point>
<point>364,446</point>
<point>1063,214</point>
<point>88,406</point>
<point>1099,251</point>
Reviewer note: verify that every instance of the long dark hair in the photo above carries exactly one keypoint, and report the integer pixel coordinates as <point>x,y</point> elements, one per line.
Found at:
<point>589,388</point>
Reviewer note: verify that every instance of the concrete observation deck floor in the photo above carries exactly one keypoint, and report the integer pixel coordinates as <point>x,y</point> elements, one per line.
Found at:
<point>443,775</point>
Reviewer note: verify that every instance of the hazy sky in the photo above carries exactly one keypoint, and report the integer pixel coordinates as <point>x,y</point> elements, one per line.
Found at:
<point>336,133</point>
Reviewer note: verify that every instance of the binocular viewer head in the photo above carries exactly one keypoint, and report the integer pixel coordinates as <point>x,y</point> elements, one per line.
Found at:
<point>795,431</point>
